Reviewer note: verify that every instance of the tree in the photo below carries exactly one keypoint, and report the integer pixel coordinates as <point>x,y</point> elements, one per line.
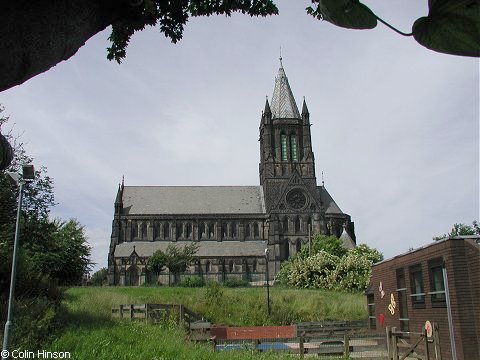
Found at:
<point>157,261</point>
<point>37,35</point>
<point>329,244</point>
<point>461,230</point>
<point>451,27</point>
<point>176,259</point>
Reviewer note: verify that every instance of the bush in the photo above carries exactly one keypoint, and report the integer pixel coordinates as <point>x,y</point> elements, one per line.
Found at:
<point>316,271</point>
<point>353,273</point>
<point>233,283</point>
<point>192,282</point>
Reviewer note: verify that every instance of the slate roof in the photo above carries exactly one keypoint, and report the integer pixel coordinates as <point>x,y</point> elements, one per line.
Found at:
<point>283,103</point>
<point>175,200</point>
<point>209,249</point>
<point>331,206</point>
<point>346,240</point>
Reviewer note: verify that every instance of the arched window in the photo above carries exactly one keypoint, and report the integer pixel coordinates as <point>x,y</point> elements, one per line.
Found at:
<point>293,147</point>
<point>309,224</point>
<point>179,231</point>
<point>256,231</point>
<point>297,225</point>
<point>156,230</point>
<point>166,231</point>
<point>211,233</point>
<point>134,230</point>
<point>283,139</point>
<point>144,230</point>
<point>208,267</point>
<point>298,245</point>
<point>285,225</point>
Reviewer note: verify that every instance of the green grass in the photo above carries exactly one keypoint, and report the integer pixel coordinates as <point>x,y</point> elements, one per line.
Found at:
<point>89,332</point>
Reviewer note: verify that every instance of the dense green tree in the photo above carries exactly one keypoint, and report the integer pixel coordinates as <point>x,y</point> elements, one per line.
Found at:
<point>371,254</point>
<point>176,259</point>
<point>157,261</point>
<point>461,230</point>
<point>329,244</point>
<point>330,266</point>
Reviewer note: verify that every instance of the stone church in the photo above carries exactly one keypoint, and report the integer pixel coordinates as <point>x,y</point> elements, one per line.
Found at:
<point>240,230</point>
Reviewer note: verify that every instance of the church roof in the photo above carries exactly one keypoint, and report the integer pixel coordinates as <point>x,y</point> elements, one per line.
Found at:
<point>164,200</point>
<point>346,240</point>
<point>209,249</point>
<point>283,103</point>
<point>331,206</point>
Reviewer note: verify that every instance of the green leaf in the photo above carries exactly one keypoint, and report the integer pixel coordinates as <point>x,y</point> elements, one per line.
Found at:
<point>350,14</point>
<point>451,27</point>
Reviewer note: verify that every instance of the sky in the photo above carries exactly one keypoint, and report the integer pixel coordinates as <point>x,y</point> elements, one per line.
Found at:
<point>395,126</point>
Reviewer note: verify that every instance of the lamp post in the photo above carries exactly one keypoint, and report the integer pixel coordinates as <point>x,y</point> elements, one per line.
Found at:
<point>268,286</point>
<point>28,175</point>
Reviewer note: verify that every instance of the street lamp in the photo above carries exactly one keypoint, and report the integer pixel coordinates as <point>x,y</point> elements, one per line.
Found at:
<point>28,174</point>
<point>268,286</point>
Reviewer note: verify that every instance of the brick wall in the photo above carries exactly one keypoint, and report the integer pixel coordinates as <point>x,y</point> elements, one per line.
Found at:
<point>462,262</point>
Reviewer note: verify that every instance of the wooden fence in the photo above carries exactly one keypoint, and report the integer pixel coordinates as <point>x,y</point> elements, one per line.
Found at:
<point>412,345</point>
<point>157,313</point>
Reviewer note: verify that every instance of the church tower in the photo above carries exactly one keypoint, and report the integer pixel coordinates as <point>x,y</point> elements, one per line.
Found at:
<point>297,207</point>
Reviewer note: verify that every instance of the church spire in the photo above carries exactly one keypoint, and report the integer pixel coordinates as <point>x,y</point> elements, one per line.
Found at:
<point>283,102</point>
<point>304,108</point>
<point>267,110</point>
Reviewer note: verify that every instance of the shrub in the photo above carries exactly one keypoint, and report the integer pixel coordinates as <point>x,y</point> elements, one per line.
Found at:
<point>192,282</point>
<point>353,273</point>
<point>316,271</point>
<point>233,283</point>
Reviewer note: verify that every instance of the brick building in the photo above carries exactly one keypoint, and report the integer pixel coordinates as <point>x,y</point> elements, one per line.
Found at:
<point>439,283</point>
<point>233,225</point>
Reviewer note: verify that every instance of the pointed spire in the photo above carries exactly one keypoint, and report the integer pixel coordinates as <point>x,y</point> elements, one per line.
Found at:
<point>267,110</point>
<point>283,102</point>
<point>304,108</point>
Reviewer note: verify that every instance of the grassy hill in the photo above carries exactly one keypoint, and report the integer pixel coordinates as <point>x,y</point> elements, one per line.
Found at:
<point>89,332</point>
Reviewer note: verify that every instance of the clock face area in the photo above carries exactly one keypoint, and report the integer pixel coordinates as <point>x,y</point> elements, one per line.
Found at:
<point>296,199</point>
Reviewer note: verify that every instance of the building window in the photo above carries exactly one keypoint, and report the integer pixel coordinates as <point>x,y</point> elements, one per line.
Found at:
<point>230,266</point>
<point>285,225</point>
<point>234,230</point>
<point>256,231</point>
<point>298,245</point>
<point>208,267</point>
<point>156,230</point>
<point>166,231</point>
<point>211,230</point>
<point>371,311</point>
<point>402,300</point>
<point>247,231</point>
<point>416,285</point>
<point>293,147</point>
<point>188,229</point>
<point>284,146</point>
<point>297,225</point>
<point>437,283</point>
<point>144,231</point>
